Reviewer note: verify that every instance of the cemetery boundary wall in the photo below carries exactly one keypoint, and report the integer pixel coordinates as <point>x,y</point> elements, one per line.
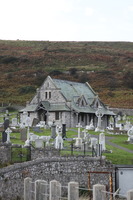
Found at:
<point>53,191</point>
<point>122,111</point>
<point>62,169</point>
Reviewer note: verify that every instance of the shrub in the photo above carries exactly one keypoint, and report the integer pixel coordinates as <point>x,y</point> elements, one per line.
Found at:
<point>27,89</point>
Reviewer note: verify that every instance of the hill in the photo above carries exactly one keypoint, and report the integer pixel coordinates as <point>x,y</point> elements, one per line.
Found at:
<point>107,66</point>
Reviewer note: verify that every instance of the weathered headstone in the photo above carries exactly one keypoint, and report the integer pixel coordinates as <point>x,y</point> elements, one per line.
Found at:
<point>14,122</point>
<point>130,135</point>
<point>35,122</point>
<point>4,136</point>
<point>8,132</point>
<point>78,142</point>
<point>91,126</point>
<point>23,134</point>
<point>39,143</point>
<point>6,124</point>
<point>33,137</point>
<point>99,115</point>
<point>37,129</point>
<point>58,139</point>
<point>102,141</point>
<point>53,131</point>
<point>94,142</point>
<point>63,131</point>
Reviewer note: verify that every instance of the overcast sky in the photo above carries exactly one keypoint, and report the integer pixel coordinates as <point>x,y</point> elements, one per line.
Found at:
<point>67,20</point>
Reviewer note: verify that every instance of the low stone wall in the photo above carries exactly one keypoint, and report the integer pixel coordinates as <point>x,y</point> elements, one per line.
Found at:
<point>62,169</point>
<point>123,111</point>
<point>46,152</point>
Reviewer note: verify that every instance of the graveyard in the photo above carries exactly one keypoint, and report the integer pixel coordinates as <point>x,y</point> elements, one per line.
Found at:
<point>56,152</point>
<point>77,141</point>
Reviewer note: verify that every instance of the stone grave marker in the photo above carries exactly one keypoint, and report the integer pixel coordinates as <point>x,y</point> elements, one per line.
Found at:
<point>94,142</point>
<point>4,136</point>
<point>14,122</point>
<point>63,131</point>
<point>39,143</point>
<point>37,129</point>
<point>78,142</point>
<point>130,135</point>
<point>8,132</point>
<point>99,115</point>
<point>91,126</point>
<point>23,134</point>
<point>53,131</point>
<point>33,137</point>
<point>6,124</point>
<point>102,141</point>
<point>35,122</point>
<point>58,139</point>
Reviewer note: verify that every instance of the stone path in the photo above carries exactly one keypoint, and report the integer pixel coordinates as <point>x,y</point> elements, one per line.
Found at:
<point>117,146</point>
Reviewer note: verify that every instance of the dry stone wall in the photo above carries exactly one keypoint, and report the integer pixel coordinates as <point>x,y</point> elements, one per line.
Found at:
<point>62,169</point>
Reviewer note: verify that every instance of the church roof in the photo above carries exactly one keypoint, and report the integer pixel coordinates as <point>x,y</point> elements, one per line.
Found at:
<point>71,89</point>
<point>54,106</point>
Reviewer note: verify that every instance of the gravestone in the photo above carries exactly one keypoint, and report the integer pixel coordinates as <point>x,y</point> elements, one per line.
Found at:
<point>23,134</point>
<point>99,115</point>
<point>6,124</point>
<point>94,142</point>
<point>33,137</point>
<point>91,126</point>
<point>63,131</point>
<point>46,139</point>
<point>39,143</point>
<point>37,129</point>
<point>4,136</point>
<point>35,122</point>
<point>14,122</point>
<point>58,139</point>
<point>78,142</point>
<point>127,126</point>
<point>8,132</point>
<point>53,131</point>
<point>102,141</point>
<point>130,135</point>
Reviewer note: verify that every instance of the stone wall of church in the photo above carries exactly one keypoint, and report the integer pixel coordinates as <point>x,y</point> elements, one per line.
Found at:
<point>62,169</point>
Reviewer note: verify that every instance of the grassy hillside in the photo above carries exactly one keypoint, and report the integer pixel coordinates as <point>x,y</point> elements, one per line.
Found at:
<point>107,66</point>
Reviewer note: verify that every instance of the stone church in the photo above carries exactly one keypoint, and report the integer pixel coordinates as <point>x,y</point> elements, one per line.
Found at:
<point>66,102</point>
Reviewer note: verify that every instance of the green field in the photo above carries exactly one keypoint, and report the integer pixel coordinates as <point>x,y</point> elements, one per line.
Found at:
<point>118,156</point>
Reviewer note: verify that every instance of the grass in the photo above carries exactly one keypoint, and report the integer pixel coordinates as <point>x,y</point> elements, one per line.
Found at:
<point>118,156</point>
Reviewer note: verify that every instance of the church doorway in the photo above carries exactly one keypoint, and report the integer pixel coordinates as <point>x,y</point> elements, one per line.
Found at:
<point>42,116</point>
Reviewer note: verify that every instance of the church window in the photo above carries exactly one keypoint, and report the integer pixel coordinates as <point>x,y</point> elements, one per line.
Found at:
<point>82,103</point>
<point>46,95</point>
<point>57,115</point>
<point>49,95</point>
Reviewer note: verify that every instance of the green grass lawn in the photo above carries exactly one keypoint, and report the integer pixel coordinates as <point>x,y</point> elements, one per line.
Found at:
<point>117,156</point>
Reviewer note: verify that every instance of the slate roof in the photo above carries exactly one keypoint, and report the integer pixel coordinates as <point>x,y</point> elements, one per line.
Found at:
<point>54,106</point>
<point>71,89</point>
<point>29,108</point>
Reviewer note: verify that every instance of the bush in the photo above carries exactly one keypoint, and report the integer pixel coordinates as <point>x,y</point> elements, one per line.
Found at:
<point>27,89</point>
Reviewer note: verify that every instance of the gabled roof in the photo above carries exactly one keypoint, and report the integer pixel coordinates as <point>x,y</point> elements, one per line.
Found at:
<point>54,106</point>
<point>71,89</point>
<point>29,108</point>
